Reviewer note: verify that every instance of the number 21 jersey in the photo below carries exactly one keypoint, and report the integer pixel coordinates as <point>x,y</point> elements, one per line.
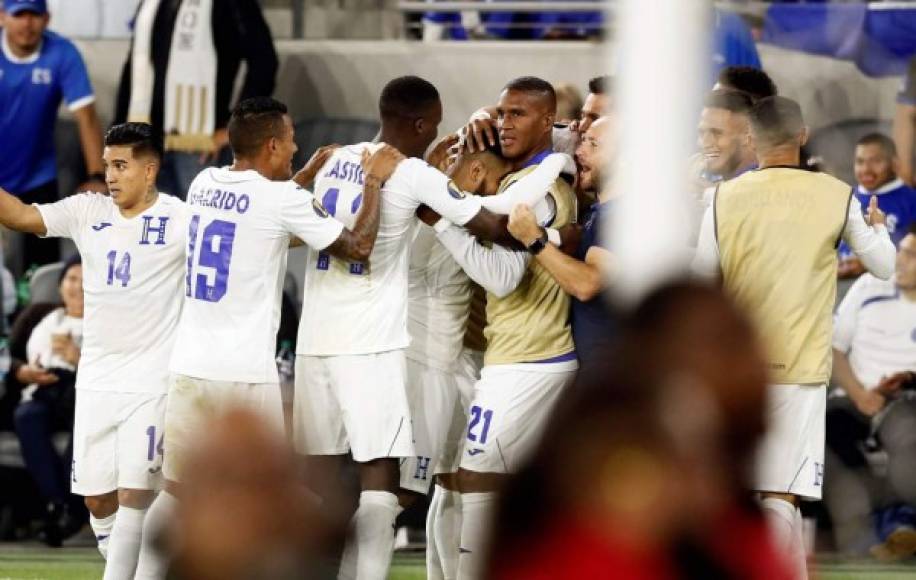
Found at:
<point>238,237</point>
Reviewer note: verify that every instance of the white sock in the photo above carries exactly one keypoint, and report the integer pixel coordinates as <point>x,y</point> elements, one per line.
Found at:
<point>781,517</point>
<point>101,527</point>
<point>476,512</point>
<point>124,545</point>
<point>434,569</point>
<point>448,533</point>
<point>152,563</point>
<point>801,560</point>
<point>373,534</point>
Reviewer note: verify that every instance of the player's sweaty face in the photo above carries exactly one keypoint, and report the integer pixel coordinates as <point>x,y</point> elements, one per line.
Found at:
<point>873,166</point>
<point>286,149</point>
<point>24,30</point>
<point>721,136</point>
<point>523,120</point>
<point>126,175</point>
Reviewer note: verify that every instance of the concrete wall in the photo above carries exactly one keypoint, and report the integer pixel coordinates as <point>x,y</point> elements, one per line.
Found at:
<point>343,78</point>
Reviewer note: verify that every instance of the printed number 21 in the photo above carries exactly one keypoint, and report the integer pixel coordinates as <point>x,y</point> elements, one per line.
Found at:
<point>476,413</point>
<point>121,272</point>
<point>215,253</point>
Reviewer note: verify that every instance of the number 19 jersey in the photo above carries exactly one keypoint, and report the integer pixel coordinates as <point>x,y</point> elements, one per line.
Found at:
<point>353,309</point>
<point>238,237</point>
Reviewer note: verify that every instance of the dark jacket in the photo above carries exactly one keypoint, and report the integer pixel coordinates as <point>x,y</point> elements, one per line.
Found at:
<point>239,33</point>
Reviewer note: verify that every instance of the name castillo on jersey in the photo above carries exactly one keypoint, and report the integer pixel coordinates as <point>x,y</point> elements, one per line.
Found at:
<point>346,171</point>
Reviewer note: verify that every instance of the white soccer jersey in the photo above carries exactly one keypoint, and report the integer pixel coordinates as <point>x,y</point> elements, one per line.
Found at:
<point>439,299</point>
<point>132,278</point>
<point>876,326</point>
<point>351,309</point>
<point>238,237</point>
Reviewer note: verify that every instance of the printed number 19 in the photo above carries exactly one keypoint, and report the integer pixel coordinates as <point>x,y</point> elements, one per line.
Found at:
<point>215,253</point>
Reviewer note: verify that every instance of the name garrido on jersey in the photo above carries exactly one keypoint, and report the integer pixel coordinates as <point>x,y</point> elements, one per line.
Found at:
<point>219,199</point>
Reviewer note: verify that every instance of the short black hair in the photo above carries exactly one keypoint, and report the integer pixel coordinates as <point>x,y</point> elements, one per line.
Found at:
<point>886,143</point>
<point>734,101</point>
<point>776,120</point>
<point>750,80</point>
<point>408,97</point>
<point>534,85</point>
<point>74,260</point>
<point>253,122</point>
<point>140,137</point>
<point>600,85</point>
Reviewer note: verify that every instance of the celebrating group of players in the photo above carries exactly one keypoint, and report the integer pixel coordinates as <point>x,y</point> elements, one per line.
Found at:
<point>183,301</point>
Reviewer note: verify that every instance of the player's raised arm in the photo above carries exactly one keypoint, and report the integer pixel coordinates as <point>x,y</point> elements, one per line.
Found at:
<point>20,216</point>
<point>356,244</point>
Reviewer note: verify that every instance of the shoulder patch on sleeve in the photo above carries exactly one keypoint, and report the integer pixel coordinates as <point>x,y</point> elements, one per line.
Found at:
<point>455,191</point>
<point>319,209</point>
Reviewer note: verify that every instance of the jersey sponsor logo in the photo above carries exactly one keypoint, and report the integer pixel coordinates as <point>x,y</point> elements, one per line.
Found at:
<point>455,191</point>
<point>101,226</point>
<point>319,209</point>
<point>422,470</point>
<point>41,76</point>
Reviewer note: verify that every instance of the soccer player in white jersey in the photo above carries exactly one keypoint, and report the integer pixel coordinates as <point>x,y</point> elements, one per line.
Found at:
<point>350,385</point>
<point>239,226</point>
<point>132,246</point>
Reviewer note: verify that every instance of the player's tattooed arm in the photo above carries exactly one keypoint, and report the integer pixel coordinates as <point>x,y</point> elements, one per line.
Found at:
<point>356,245</point>
<point>19,216</point>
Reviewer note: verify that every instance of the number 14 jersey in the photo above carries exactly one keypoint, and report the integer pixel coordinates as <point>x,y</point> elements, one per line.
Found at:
<point>133,271</point>
<point>237,241</point>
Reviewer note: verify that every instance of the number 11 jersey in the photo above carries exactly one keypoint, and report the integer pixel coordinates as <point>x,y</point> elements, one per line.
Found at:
<point>238,236</point>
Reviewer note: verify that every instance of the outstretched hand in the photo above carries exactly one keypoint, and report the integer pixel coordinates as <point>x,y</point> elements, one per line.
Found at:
<point>874,216</point>
<point>309,171</point>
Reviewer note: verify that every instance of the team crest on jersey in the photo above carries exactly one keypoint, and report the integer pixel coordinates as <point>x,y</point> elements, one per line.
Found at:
<point>319,209</point>
<point>455,191</point>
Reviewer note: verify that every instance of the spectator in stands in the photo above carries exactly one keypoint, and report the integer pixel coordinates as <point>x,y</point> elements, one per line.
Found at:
<point>180,77</point>
<point>46,369</point>
<point>876,163</point>
<point>569,101</point>
<point>39,69</point>
<point>753,81</point>
<point>733,43</point>
<point>905,124</point>
<point>585,274</point>
<point>874,354</point>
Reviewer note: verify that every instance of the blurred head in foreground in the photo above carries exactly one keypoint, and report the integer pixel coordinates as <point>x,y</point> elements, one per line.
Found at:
<point>243,512</point>
<point>647,455</point>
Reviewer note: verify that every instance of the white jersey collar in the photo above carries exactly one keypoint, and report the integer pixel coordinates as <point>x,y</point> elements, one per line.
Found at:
<point>8,52</point>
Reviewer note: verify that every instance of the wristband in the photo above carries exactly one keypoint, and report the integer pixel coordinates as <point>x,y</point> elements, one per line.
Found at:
<point>538,245</point>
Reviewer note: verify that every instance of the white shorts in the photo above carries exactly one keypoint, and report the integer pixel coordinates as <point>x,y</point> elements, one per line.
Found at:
<point>355,403</point>
<point>432,395</point>
<point>790,458</point>
<point>467,373</point>
<point>193,402</point>
<point>509,411</point>
<point>117,441</point>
